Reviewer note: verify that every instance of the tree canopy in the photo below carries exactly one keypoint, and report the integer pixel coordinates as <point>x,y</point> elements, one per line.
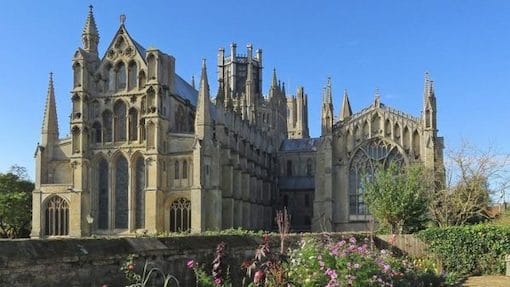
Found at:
<point>397,197</point>
<point>15,203</point>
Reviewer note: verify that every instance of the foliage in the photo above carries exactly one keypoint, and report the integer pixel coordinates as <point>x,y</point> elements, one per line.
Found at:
<point>397,198</point>
<point>15,203</point>
<point>470,249</point>
<point>350,263</point>
<point>220,275</point>
<point>473,175</point>
<point>150,275</point>
<point>266,268</point>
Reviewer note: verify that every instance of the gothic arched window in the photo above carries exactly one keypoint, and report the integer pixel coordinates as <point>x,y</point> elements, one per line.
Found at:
<point>96,128</point>
<point>180,215</point>
<point>57,217</point>
<point>121,193</point>
<point>176,170</point>
<point>140,193</point>
<point>103,194</point>
<point>133,124</point>
<point>120,121</point>
<point>132,75</point>
<point>184,169</point>
<point>120,76</point>
<point>370,156</point>
<point>77,75</point>
<point>107,125</point>
<point>141,80</point>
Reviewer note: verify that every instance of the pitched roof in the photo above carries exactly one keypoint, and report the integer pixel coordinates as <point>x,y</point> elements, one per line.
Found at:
<point>295,145</point>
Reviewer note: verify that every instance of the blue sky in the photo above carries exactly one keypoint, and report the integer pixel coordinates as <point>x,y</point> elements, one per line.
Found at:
<point>362,45</point>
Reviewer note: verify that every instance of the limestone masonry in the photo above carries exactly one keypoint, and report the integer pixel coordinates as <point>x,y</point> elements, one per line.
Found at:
<point>148,152</point>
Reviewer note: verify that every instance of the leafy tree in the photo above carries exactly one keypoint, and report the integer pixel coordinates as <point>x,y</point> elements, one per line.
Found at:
<point>15,203</point>
<point>397,199</point>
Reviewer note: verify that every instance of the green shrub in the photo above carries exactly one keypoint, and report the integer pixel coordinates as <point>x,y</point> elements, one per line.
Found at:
<point>470,250</point>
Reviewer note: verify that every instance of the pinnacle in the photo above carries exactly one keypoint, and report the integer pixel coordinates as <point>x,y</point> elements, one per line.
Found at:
<point>90,24</point>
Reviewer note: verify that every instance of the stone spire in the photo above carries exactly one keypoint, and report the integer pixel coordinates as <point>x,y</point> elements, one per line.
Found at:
<point>193,81</point>
<point>90,35</point>
<point>203,123</point>
<point>346,111</point>
<point>327,110</point>
<point>274,82</point>
<point>50,122</point>
<point>429,104</point>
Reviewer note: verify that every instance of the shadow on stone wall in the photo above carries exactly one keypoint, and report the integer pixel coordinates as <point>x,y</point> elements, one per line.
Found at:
<point>94,262</point>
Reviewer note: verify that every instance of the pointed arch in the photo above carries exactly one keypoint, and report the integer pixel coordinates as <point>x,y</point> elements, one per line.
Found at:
<point>132,75</point>
<point>151,99</point>
<point>121,191</point>
<point>140,183</point>
<point>119,110</point>
<point>97,135</point>
<point>416,144</point>
<point>180,215</point>
<point>75,131</point>
<point>363,164</point>
<point>396,132</point>
<point>94,109</point>
<point>110,77</point>
<point>387,127</point>
<point>142,79</point>
<point>103,197</point>
<point>133,124</point>
<point>406,140</point>
<point>120,76</point>
<point>56,216</point>
<point>151,66</point>
<point>107,126</point>
<point>77,75</point>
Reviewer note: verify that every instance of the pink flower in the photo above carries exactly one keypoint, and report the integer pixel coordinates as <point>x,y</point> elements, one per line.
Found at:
<point>191,264</point>
<point>218,281</point>
<point>259,277</point>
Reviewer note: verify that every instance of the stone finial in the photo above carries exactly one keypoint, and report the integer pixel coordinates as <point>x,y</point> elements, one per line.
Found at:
<point>122,19</point>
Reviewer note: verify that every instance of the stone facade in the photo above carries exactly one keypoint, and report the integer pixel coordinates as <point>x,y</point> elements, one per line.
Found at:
<point>148,152</point>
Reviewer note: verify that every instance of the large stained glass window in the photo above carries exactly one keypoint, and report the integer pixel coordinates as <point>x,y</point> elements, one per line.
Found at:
<point>370,156</point>
<point>140,193</point>
<point>103,196</point>
<point>121,193</point>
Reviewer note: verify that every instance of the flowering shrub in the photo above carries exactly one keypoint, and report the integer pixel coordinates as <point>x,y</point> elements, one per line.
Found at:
<point>218,275</point>
<point>348,263</point>
<point>266,268</point>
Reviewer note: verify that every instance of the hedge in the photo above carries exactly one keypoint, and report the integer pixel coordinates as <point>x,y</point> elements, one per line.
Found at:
<point>470,250</point>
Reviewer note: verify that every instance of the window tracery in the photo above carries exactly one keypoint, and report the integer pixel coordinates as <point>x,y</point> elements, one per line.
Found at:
<point>57,217</point>
<point>368,158</point>
<point>180,215</point>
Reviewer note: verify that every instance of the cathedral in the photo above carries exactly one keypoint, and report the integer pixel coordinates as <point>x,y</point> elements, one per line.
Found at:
<point>149,152</point>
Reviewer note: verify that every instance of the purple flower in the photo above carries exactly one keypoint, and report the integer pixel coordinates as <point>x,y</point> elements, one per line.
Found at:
<point>218,281</point>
